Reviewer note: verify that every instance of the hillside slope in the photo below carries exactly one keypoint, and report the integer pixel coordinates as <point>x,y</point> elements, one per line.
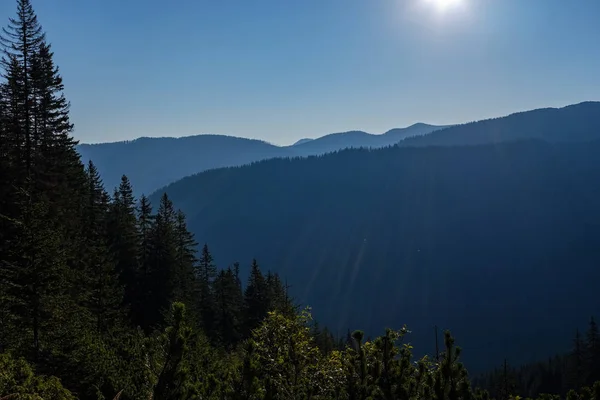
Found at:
<point>498,243</point>
<point>155,162</point>
<point>571,123</point>
<point>358,139</point>
<point>152,163</point>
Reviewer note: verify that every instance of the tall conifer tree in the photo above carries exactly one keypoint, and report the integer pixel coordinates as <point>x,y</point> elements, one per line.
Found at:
<point>124,241</point>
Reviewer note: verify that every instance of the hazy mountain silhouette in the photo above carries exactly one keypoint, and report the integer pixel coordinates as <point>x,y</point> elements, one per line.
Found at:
<point>301,141</point>
<point>498,243</point>
<point>574,122</point>
<point>358,139</point>
<point>154,162</point>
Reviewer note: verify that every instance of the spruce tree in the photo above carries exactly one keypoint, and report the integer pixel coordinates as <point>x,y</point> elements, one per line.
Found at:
<point>161,270</point>
<point>576,364</point>
<point>228,302</point>
<point>206,272</point>
<point>277,296</point>
<point>40,197</point>
<point>123,240</point>
<point>21,40</point>
<point>105,293</point>
<point>592,352</point>
<point>256,299</point>
<point>145,222</point>
<point>185,262</point>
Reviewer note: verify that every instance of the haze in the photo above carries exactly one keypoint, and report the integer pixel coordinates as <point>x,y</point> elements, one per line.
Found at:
<point>280,71</point>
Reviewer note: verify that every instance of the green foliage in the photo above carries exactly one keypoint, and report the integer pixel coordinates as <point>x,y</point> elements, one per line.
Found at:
<point>286,356</point>
<point>18,381</point>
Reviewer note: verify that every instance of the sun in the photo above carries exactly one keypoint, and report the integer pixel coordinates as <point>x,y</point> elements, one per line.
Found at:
<point>442,5</point>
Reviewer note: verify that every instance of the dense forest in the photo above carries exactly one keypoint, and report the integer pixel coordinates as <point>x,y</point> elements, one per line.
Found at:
<point>458,237</point>
<point>103,296</point>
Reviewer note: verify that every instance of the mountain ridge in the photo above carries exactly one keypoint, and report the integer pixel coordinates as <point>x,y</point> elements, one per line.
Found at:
<point>154,162</point>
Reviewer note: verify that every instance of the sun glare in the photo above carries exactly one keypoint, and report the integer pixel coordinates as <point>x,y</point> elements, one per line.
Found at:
<point>443,5</point>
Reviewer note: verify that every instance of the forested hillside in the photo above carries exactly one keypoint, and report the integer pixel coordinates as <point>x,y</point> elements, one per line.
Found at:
<point>577,122</point>
<point>497,242</point>
<point>155,162</point>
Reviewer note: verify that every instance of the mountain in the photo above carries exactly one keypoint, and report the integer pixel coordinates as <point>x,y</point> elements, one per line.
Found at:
<point>574,122</point>
<point>301,141</point>
<point>498,243</point>
<point>155,162</point>
<point>358,139</point>
<point>459,228</point>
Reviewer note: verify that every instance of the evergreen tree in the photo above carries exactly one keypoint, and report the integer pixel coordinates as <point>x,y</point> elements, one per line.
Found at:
<point>57,161</point>
<point>206,273</point>
<point>123,240</point>
<point>145,223</point>
<point>36,280</point>
<point>105,293</point>
<point>256,299</point>
<point>323,338</point>
<point>452,381</point>
<point>21,41</point>
<point>10,154</point>
<point>277,295</point>
<point>592,353</point>
<point>42,197</point>
<point>185,262</point>
<point>173,377</point>
<point>576,376</point>
<point>140,313</point>
<point>161,270</point>
<point>228,302</point>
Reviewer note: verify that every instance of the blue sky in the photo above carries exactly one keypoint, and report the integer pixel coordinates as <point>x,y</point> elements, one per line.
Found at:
<point>280,70</point>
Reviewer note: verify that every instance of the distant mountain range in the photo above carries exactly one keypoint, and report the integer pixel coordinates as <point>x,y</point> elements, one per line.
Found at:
<point>490,229</point>
<point>151,163</point>
<point>576,122</point>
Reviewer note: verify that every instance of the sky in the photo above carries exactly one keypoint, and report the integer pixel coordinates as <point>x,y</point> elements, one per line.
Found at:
<point>281,70</point>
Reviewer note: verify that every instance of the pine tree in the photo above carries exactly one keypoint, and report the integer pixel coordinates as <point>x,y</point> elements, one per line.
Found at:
<point>57,160</point>
<point>105,293</point>
<point>576,376</point>
<point>592,353</point>
<point>277,296</point>
<point>37,286</point>
<point>21,41</point>
<point>123,242</point>
<point>145,222</point>
<point>10,153</point>
<point>228,302</point>
<point>206,273</point>
<point>256,299</point>
<point>185,261</point>
<point>452,381</point>
<point>161,270</point>
<point>42,191</point>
